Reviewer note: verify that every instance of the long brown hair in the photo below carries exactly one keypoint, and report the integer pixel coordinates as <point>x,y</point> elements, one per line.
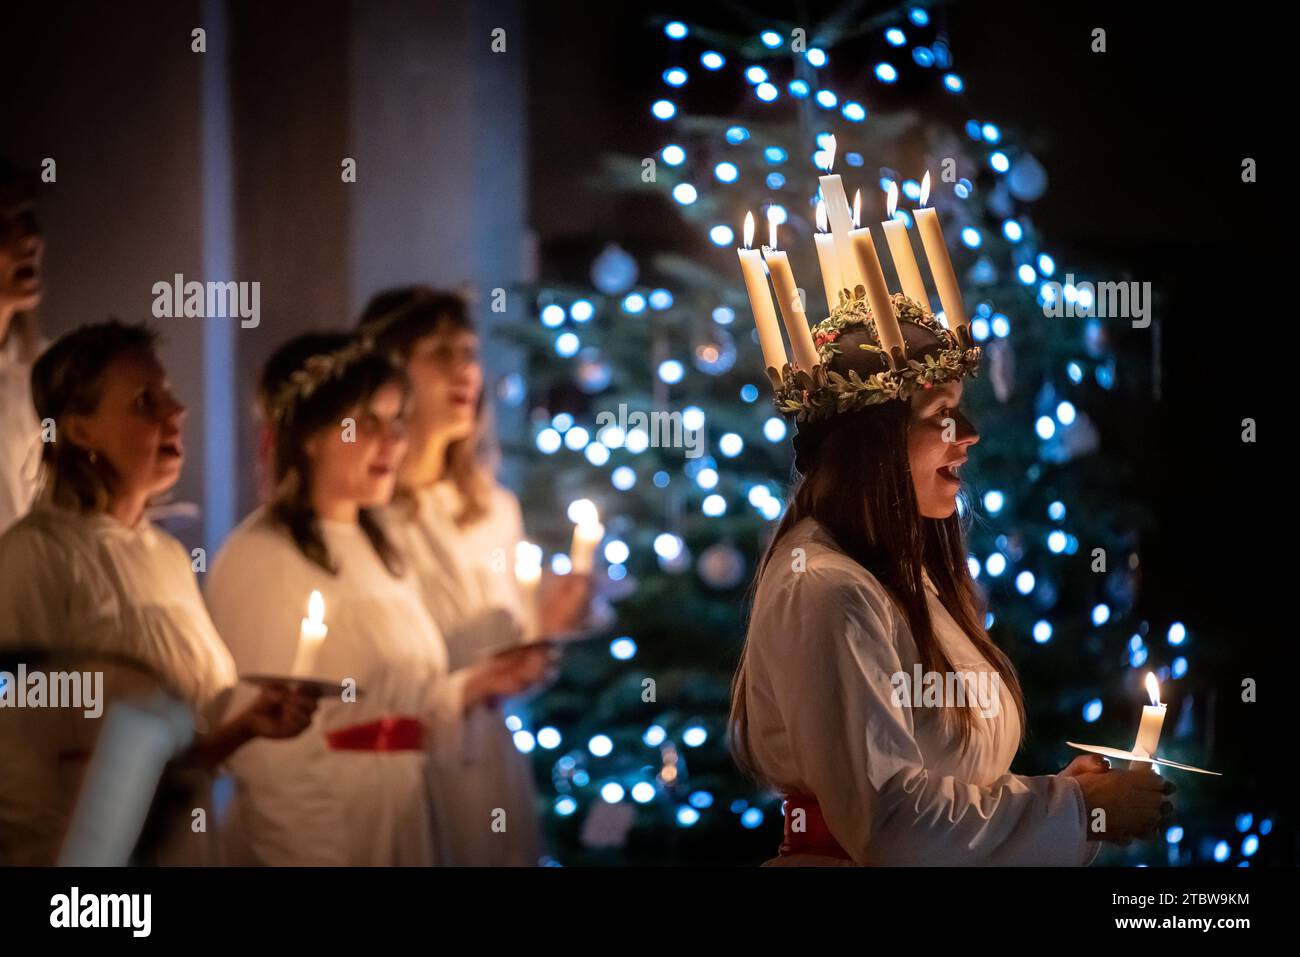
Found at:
<point>298,418</point>
<point>398,319</point>
<point>853,478</point>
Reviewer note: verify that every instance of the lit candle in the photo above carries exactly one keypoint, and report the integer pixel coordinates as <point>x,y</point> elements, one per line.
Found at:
<point>830,266</point>
<point>787,295</point>
<point>760,300</point>
<point>528,576</point>
<point>587,534</point>
<point>583,549</point>
<point>837,209</point>
<point>858,230</point>
<point>1153,719</point>
<point>900,250</point>
<point>927,223</point>
<point>882,310</point>
<point>310,635</point>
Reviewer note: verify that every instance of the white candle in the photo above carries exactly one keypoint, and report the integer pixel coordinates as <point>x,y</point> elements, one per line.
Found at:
<point>837,210</point>
<point>760,300</point>
<point>528,576</point>
<point>936,251</point>
<point>586,536</point>
<point>830,266</point>
<point>787,295</point>
<point>882,310</point>
<point>1153,719</point>
<point>310,635</point>
<point>900,250</point>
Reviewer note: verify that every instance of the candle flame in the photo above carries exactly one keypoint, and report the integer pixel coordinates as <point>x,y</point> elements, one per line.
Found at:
<point>891,204</point>
<point>526,553</point>
<point>771,227</point>
<point>829,152</point>
<point>316,608</point>
<point>583,511</point>
<point>925,188</point>
<point>1153,688</point>
<point>821,216</point>
<point>857,208</point>
<point>749,229</point>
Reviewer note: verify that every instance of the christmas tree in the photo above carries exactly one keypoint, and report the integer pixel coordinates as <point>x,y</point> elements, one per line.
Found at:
<point>630,745</point>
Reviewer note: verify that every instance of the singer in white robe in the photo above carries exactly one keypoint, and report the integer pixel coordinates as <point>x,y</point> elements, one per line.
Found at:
<point>892,783</point>
<point>466,575</point>
<point>301,801</point>
<point>75,584</point>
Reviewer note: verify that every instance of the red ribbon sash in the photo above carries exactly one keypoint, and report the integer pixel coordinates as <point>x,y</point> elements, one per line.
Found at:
<point>816,837</point>
<point>391,733</point>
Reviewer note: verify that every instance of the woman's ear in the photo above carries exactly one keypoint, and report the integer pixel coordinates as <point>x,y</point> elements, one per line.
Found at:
<point>77,430</point>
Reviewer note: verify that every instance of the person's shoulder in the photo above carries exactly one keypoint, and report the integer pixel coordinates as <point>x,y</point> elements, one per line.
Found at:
<point>43,529</point>
<point>816,570</point>
<point>502,519</point>
<point>255,542</point>
<point>502,501</point>
<point>51,550</point>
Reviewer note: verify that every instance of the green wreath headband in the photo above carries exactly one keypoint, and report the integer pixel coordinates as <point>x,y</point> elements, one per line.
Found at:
<point>819,393</point>
<point>315,372</point>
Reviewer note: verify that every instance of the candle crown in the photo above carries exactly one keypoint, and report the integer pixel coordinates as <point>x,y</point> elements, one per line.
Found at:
<point>823,392</point>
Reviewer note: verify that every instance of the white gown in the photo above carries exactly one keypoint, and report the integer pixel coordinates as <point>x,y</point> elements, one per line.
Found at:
<point>19,435</point>
<point>85,586</point>
<point>467,579</point>
<point>300,801</point>
<point>892,783</point>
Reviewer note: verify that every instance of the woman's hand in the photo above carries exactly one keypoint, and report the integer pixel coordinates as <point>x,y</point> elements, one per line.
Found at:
<point>280,711</point>
<point>507,674</point>
<point>1133,802</point>
<point>563,603</point>
<point>1085,764</point>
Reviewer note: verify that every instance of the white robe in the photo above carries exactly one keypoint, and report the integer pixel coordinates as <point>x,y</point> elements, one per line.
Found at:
<point>300,801</point>
<point>467,579</point>
<point>19,435</point>
<point>892,783</point>
<point>86,586</point>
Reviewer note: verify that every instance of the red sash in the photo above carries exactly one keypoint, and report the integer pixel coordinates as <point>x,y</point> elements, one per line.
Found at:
<point>390,733</point>
<point>816,837</point>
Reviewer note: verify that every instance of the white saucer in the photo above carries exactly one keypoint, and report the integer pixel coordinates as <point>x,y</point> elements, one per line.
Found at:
<point>1134,756</point>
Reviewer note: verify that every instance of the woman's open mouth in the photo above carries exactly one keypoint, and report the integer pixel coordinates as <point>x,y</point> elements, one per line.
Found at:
<point>949,473</point>
<point>170,450</point>
<point>27,275</point>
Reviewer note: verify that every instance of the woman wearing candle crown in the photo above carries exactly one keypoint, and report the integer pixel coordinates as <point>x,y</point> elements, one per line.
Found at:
<point>353,790</point>
<point>865,578</point>
<point>86,576</point>
<point>460,529</point>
